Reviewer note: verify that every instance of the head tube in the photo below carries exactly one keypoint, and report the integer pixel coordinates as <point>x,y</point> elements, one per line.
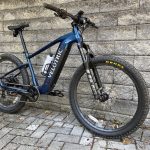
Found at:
<point>78,35</point>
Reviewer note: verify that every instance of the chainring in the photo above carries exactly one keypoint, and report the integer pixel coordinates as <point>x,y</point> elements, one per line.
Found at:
<point>34,94</point>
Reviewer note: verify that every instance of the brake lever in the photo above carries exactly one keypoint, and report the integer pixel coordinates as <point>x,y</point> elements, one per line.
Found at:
<point>96,27</point>
<point>93,25</point>
<point>61,15</point>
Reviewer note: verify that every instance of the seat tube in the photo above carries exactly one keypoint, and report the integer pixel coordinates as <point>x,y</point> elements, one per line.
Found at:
<point>34,80</point>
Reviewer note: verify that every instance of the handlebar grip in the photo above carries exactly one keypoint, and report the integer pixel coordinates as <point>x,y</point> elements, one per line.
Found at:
<point>51,7</point>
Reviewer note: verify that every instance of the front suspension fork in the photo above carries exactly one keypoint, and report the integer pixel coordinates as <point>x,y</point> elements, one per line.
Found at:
<point>96,86</point>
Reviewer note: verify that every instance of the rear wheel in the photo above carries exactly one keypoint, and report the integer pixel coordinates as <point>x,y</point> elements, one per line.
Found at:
<point>127,105</point>
<point>12,102</point>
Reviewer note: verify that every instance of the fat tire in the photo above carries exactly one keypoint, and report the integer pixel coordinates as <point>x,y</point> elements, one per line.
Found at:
<point>143,104</point>
<point>26,81</point>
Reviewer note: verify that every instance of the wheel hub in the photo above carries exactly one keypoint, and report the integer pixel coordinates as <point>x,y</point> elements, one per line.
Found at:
<point>103,97</point>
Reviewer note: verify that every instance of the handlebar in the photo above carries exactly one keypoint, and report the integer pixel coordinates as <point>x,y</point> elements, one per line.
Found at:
<point>51,7</point>
<point>60,12</point>
<point>64,14</point>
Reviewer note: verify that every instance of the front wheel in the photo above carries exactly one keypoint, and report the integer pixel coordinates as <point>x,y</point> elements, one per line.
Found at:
<point>125,109</point>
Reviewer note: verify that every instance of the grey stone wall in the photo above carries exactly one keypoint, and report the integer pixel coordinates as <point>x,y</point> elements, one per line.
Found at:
<point>124,31</point>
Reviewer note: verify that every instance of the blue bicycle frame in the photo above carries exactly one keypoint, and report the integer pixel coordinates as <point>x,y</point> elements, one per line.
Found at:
<point>61,55</point>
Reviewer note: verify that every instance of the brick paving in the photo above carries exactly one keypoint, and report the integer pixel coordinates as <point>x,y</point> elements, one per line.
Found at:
<point>38,129</point>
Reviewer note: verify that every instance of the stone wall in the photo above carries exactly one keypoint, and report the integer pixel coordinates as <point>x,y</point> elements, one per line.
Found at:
<point>124,31</point>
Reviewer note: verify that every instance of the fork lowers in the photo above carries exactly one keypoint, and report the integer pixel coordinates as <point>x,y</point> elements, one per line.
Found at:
<point>98,94</point>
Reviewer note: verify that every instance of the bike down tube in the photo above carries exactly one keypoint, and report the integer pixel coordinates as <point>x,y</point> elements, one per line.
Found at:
<point>58,63</point>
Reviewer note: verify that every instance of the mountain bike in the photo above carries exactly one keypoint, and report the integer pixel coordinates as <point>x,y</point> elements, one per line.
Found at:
<point>107,95</point>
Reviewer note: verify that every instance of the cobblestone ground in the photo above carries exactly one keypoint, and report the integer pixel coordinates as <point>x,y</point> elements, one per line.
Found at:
<point>37,129</point>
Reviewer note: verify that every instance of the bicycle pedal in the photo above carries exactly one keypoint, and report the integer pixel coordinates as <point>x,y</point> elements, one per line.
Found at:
<point>56,93</point>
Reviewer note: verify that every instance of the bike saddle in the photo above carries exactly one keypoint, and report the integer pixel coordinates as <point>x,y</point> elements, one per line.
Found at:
<point>19,26</point>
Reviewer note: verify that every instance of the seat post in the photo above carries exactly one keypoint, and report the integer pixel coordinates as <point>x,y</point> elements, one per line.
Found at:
<point>23,43</point>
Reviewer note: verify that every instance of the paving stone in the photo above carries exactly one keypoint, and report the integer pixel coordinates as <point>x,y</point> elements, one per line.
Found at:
<point>86,133</point>
<point>25,147</point>
<point>11,118</point>
<point>59,130</point>
<point>69,146</point>
<point>146,136</point>
<point>25,140</point>
<point>11,146</point>
<point>57,124</point>
<point>21,118</point>
<point>86,141</point>
<point>67,138</point>
<point>137,135</point>
<point>3,124</point>
<point>66,125</point>
<point>5,140</point>
<point>46,139</point>
<point>13,125</point>
<point>60,117</point>
<point>48,122</point>
<point>55,145</point>
<point>42,116</point>
<point>29,120</point>
<point>40,131</point>
<point>52,115</point>
<point>21,132</point>
<point>147,147</point>
<point>140,145</point>
<point>25,112</point>
<point>98,148</point>
<point>77,130</point>
<point>120,146</point>
<point>35,113</point>
<point>76,122</point>
<point>70,118</point>
<point>32,127</point>
<point>38,121</point>
<point>147,123</point>
<point>98,144</point>
<point>4,131</point>
<point>22,126</point>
